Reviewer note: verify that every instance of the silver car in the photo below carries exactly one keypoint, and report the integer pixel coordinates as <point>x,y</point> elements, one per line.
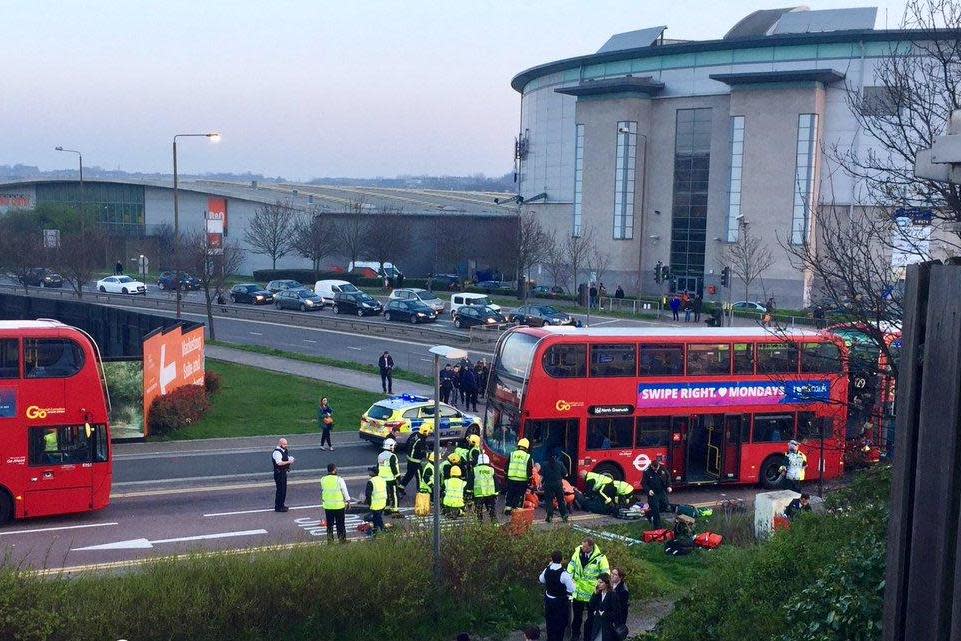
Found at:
<point>412,293</point>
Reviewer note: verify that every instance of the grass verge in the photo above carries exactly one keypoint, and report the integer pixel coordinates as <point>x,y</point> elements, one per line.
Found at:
<point>257,402</point>
<point>399,374</point>
<point>379,590</point>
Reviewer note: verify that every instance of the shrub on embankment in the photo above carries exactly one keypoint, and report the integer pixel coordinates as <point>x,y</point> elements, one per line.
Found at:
<point>821,580</point>
<point>381,590</point>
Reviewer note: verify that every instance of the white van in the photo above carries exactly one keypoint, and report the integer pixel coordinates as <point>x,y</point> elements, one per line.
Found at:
<point>389,268</point>
<point>467,298</point>
<point>327,288</point>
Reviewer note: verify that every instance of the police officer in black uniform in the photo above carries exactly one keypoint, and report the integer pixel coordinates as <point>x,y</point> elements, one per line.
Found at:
<point>282,460</point>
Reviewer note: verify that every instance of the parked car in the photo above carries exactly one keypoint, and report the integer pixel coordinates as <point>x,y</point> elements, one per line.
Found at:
<point>444,282</point>
<point>41,277</point>
<point>399,417</point>
<point>360,303</point>
<point>540,315</point>
<point>748,306</point>
<point>411,293</point>
<point>469,298</point>
<point>121,285</point>
<point>275,286</point>
<point>250,293</point>
<point>170,280</point>
<point>302,299</point>
<point>327,288</point>
<point>470,315</point>
<point>412,311</point>
<point>543,291</point>
<point>499,286</point>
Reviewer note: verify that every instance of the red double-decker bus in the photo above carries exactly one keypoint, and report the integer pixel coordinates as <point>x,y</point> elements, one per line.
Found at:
<point>55,451</point>
<point>720,404</point>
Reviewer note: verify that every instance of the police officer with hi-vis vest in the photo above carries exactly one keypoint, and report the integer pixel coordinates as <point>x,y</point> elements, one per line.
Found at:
<point>520,467</point>
<point>388,468</point>
<point>793,472</point>
<point>485,489</point>
<point>375,496</point>
<point>335,499</point>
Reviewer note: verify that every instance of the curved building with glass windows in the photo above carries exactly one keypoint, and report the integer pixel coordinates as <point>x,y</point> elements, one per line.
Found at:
<point>666,150</point>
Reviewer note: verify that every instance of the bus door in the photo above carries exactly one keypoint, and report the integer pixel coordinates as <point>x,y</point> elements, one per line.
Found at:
<point>59,470</point>
<point>705,448</point>
<point>546,435</point>
<point>736,427</point>
<point>678,449</point>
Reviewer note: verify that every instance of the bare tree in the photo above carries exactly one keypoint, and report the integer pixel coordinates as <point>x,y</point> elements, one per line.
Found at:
<point>164,235</point>
<point>530,245</point>
<point>272,230</point>
<point>388,237</point>
<point>555,260</point>
<point>79,256</point>
<point>351,230</point>
<point>20,246</point>
<point>315,238</point>
<point>577,249</point>
<point>748,258</point>
<point>211,268</point>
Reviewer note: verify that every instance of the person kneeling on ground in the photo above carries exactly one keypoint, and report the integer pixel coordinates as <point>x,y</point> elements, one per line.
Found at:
<point>798,505</point>
<point>624,495</point>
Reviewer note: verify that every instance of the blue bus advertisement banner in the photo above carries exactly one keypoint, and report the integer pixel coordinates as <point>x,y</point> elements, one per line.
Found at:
<point>8,402</point>
<point>714,394</point>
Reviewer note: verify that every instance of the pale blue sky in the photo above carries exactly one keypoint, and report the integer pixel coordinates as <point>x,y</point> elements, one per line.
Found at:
<point>303,88</point>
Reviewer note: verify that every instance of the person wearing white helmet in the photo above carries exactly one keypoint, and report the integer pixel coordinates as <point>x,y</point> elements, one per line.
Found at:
<point>793,472</point>
<point>388,468</point>
<point>485,489</point>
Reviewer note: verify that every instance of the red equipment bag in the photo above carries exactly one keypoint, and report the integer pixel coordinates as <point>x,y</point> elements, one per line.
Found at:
<point>781,523</point>
<point>658,536</point>
<point>708,540</point>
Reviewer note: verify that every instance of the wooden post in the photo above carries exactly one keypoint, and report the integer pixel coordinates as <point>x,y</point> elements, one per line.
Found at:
<point>923,580</point>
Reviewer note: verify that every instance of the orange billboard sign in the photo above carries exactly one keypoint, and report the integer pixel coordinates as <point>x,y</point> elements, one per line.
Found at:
<point>171,359</point>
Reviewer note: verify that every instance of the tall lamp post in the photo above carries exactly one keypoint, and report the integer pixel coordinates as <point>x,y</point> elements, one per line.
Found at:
<point>214,137</point>
<point>80,157</point>
<point>453,354</point>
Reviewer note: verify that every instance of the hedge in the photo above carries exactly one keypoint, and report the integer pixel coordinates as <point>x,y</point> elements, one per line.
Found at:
<point>178,409</point>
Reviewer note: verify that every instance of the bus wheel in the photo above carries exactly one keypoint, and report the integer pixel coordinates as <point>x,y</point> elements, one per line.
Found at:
<point>6,507</point>
<point>614,471</point>
<point>771,472</point>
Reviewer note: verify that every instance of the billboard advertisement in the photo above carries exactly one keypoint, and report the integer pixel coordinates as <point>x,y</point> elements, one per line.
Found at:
<point>171,359</point>
<point>668,395</point>
<point>216,223</point>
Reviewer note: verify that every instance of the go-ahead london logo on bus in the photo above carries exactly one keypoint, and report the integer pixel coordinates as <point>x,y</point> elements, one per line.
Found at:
<point>726,394</point>
<point>35,412</point>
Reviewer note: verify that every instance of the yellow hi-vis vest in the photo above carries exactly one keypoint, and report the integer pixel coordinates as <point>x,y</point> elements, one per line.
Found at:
<point>517,469</point>
<point>454,492</point>
<point>332,496</point>
<point>426,480</point>
<point>384,470</point>
<point>378,493</point>
<point>484,482</point>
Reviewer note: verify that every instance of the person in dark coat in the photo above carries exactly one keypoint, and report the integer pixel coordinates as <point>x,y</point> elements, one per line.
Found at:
<point>619,581</point>
<point>619,292</point>
<point>698,305</point>
<point>455,393</point>
<point>446,383</point>
<point>468,385</point>
<point>657,484</point>
<point>675,306</point>
<point>386,365</point>
<point>603,612</point>
<point>552,473</point>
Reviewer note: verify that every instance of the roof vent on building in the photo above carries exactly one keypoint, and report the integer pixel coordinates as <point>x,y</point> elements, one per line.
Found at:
<point>857,19</point>
<point>758,23</point>
<point>633,39</point>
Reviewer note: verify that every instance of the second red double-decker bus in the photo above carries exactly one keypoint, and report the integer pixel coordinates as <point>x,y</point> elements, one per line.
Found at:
<point>55,451</point>
<point>720,404</point>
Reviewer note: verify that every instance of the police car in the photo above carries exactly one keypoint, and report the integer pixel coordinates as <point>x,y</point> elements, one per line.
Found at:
<point>406,413</point>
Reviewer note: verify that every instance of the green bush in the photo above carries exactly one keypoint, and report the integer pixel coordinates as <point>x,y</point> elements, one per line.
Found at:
<point>381,590</point>
<point>178,409</point>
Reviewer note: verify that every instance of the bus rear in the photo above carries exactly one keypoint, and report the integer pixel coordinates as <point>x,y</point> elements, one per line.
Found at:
<point>54,414</point>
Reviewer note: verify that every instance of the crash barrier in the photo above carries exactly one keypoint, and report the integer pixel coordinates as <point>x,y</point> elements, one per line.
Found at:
<point>265,313</point>
<point>487,334</point>
<point>639,306</point>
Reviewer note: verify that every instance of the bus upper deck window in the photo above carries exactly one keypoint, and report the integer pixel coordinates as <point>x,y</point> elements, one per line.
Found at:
<point>662,360</point>
<point>777,358</point>
<point>824,358</point>
<point>566,361</point>
<point>9,358</point>
<point>51,358</point>
<point>743,358</point>
<point>706,360</point>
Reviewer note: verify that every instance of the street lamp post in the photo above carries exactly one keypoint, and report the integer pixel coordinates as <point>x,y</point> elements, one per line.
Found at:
<point>214,137</point>
<point>80,157</point>
<point>447,353</point>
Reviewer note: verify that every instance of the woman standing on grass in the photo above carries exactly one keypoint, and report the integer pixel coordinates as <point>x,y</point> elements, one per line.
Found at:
<point>603,612</point>
<point>619,583</point>
<point>325,416</point>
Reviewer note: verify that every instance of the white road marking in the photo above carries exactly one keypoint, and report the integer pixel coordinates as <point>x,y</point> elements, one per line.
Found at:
<point>309,340</point>
<point>256,333</point>
<point>270,509</point>
<point>54,529</point>
<point>145,544</point>
<point>359,349</point>
<point>427,360</point>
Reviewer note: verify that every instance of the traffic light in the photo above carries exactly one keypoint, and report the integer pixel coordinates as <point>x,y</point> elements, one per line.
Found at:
<point>726,277</point>
<point>657,272</point>
<point>665,273</point>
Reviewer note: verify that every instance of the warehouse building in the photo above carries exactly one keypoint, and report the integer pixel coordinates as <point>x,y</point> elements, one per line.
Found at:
<point>666,150</point>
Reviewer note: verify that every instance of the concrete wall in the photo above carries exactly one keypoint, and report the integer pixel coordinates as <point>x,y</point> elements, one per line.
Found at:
<point>17,197</point>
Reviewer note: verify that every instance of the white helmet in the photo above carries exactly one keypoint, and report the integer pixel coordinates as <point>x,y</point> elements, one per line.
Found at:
<point>389,444</point>
<point>483,459</point>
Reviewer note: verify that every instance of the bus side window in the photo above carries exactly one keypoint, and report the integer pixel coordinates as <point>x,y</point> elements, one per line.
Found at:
<point>662,360</point>
<point>51,358</point>
<point>59,445</point>
<point>743,358</point>
<point>808,424</point>
<point>653,431</point>
<point>9,358</point>
<point>773,428</point>
<point>708,360</point>
<point>820,358</point>
<point>610,433</point>
<point>566,361</point>
<point>777,358</point>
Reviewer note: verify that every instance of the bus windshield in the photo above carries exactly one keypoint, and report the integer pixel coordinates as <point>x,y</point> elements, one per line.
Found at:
<point>516,355</point>
<point>502,431</point>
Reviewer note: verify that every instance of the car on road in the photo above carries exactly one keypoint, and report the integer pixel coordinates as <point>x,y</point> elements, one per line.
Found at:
<point>302,299</point>
<point>170,280</point>
<point>275,286</point>
<point>41,277</point>
<point>748,306</point>
<point>471,315</point>
<point>469,298</point>
<point>251,293</point>
<point>402,415</point>
<point>540,315</point>
<point>328,288</point>
<point>496,286</point>
<point>121,285</point>
<point>412,311</point>
<point>543,291</point>
<point>359,303</point>
<point>427,297</point>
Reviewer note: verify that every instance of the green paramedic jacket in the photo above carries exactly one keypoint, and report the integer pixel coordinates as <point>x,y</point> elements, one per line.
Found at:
<point>585,576</point>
